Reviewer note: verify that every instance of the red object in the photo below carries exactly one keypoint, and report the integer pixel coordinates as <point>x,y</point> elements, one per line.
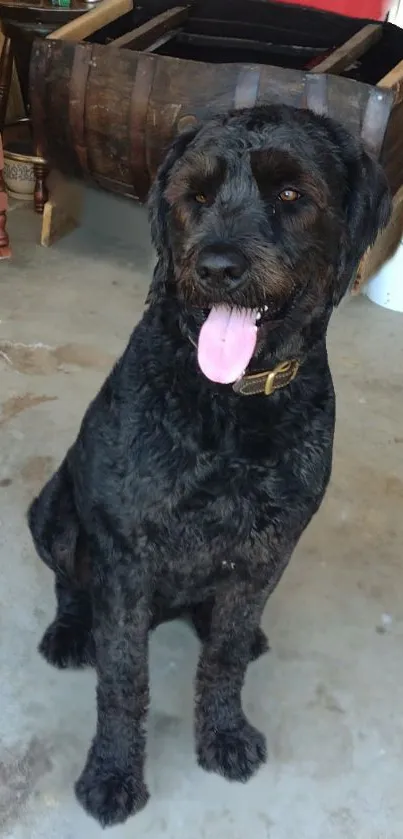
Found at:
<point>366,9</point>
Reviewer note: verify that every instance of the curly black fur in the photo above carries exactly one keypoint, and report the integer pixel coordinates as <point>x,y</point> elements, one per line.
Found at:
<point>180,497</point>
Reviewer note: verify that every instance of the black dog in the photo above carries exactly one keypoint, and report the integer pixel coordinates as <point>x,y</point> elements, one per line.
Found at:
<point>209,447</point>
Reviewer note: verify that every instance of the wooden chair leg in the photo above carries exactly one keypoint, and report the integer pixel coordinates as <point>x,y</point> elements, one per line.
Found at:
<point>40,190</point>
<point>5,250</point>
<point>6,71</point>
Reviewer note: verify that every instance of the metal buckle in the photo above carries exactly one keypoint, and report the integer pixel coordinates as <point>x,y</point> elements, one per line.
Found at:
<point>286,372</point>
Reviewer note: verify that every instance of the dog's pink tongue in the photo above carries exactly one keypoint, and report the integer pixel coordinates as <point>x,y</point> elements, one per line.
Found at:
<point>226,343</point>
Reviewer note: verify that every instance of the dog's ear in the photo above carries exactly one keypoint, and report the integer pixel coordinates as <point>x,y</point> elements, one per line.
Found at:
<point>158,213</point>
<point>368,209</point>
<point>369,202</point>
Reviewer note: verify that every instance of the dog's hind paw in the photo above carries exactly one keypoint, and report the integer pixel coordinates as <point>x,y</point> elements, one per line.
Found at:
<point>110,797</point>
<point>67,644</point>
<point>234,753</point>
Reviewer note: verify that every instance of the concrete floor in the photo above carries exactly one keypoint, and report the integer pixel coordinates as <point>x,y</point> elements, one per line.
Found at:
<point>330,694</point>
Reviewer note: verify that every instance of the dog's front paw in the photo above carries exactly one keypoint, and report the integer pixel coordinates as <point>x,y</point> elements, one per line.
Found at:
<point>68,645</point>
<point>234,753</point>
<point>110,796</point>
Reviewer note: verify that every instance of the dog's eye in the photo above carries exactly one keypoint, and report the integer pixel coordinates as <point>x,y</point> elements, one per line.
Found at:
<point>201,198</point>
<point>289,195</point>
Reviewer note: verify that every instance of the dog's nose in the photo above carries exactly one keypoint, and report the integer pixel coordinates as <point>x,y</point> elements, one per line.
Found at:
<point>221,265</point>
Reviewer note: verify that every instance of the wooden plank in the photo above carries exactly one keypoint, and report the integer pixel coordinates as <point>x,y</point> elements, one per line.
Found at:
<point>375,120</point>
<point>62,213</point>
<point>392,151</point>
<point>394,79</point>
<point>353,49</point>
<point>88,23</point>
<point>266,47</point>
<point>146,34</point>
<point>160,42</point>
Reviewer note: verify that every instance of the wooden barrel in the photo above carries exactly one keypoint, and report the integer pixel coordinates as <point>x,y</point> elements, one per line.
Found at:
<point>109,114</point>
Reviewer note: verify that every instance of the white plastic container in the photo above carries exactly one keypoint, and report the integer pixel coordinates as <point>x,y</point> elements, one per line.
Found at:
<point>386,287</point>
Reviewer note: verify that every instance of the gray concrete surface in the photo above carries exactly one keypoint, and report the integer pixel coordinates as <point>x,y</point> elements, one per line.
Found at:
<point>330,694</point>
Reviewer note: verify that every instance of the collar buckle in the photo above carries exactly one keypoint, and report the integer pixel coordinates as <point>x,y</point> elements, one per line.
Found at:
<point>268,381</point>
<point>281,376</point>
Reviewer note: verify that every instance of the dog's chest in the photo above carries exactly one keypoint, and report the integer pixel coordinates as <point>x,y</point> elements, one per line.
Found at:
<point>195,476</point>
<point>215,497</point>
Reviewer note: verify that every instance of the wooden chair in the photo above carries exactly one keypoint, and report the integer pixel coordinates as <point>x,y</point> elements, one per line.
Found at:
<point>21,22</point>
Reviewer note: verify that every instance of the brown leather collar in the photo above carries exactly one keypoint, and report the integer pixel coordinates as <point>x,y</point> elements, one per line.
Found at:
<point>267,382</point>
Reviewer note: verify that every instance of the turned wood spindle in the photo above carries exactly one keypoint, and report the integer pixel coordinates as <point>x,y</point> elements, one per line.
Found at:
<point>5,251</point>
<point>40,191</point>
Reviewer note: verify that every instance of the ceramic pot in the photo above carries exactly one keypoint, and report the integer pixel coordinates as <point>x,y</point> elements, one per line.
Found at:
<point>18,174</point>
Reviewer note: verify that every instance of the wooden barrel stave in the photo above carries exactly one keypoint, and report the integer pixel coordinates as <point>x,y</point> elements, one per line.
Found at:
<point>200,92</point>
<point>107,114</point>
<point>50,76</point>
